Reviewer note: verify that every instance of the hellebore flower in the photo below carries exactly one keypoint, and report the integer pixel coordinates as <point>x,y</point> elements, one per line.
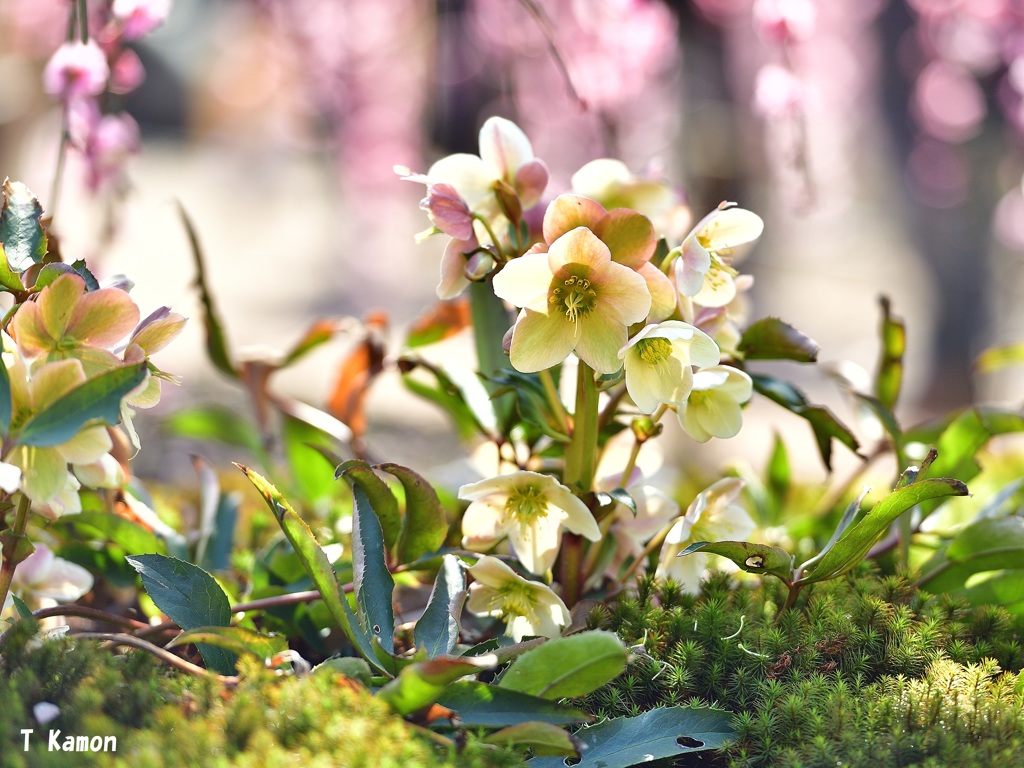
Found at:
<point>152,334</point>
<point>701,271</point>
<point>530,509</point>
<point>574,299</point>
<point>654,510</point>
<point>659,360</point>
<point>448,211</point>
<point>67,322</point>
<point>528,607</point>
<point>629,236</point>
<point>713,408</point>
<point>76,70</point>
<point>712,516</point>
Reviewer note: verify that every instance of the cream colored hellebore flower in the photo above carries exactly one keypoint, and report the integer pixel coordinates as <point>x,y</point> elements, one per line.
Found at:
<point>528,607</point>
<point>703,269</point>
<point>42,580</point>
<point>654,510</point>
<point>574,298</point>
<point>530,509</point>
<point>713,516</point>
<point>714,406</point>
<point>659,360</point>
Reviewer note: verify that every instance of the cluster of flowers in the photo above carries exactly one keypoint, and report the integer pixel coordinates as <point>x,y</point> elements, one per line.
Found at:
<point>585,284</point>
<point>65,337</point>
<point>86,68</point>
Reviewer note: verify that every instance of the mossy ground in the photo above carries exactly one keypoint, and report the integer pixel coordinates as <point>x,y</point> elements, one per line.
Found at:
<point>864,671</point>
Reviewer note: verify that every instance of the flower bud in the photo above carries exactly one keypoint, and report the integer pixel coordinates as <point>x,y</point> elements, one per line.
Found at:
<point>506,341</point>
<point>478,266</point>
<point>644,428</point>
<point>508,201</point>
<point>448,211</point>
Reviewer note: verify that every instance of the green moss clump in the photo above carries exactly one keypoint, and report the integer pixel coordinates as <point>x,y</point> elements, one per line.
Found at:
<point>865,671</point>
<point>163,719</point>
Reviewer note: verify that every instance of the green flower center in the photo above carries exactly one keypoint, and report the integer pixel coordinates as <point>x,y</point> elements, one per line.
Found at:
<point>526,504</point>
<point>517,600</point>
<point>573,296</point>
<point>654,350</point>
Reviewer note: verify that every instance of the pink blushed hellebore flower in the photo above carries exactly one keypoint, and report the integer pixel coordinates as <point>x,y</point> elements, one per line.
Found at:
<point>714,406</point>
<point>713,516</point>
<point>629,236</point>
<point>67,322</point>
<point>702,269</point>
<point>574,298</point>
<point>448,211</point>
<point>140,17</point>
<point>76,70</point>
<point>659,360</point>
<point>528,607</point>
<point>530,509</point>
<point>105,141</point>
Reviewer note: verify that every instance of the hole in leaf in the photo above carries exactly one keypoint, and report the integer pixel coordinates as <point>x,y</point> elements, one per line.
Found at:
<point>689,741</point>
<point>376,629</point>
<point>572,760</point>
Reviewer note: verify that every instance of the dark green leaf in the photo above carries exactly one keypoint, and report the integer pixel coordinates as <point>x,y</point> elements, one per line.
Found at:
<point>315,563</point>
<point>487,706</point>
<point>420,685</point>
<point>655,735</point>
<point>22,608</point>
<point>844,522</point>
<point>825,425</point>
<point>359,473</point>
<point>437,631</point>
<point>542,739</point>
<point>238,640</point>
<point>218,548</point>
<point>371,578</point>
<point>21,232</point>
<point>216,341</point>
<point>349,666</point>
<point>985,545</point>
<point>113,529</point>
<point>91,283</point>
<point>752,558</point>
<point>51,272</point>
<point>567,667</point>
<point>191,598</point>
<point>771,339</point>
<point>98,398</point>
<point>490,322</point>
<point>425,523</point>
<point>852,548</point>
<point>889,378</point>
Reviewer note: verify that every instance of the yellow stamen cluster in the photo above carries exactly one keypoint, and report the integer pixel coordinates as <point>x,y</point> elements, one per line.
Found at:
<point>526,504</point>
<point>654,350</point>
<point>574,297</point>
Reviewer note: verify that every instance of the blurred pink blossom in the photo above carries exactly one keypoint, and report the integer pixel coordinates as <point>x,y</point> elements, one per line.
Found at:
<point>778,92</point>
<point>105,141</point>
<point>448,211</point>
<point>76,70</point>
<point>784,21</point>
<point>948,102</point>
<point>127,72</point>
<point>140,17</point>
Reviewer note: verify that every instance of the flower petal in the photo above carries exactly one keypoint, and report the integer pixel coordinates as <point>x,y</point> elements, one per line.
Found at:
<point>578,246</point>
<point>57,302</point>
<point>525,282</point>
<point>601,336</point>
<point>536,545</point>
<point>691,266</point>
<point>54,380</point>
<point>540,341</point>
<point>566,212</point>
<point>650,385</point>
<point>691,424</point>
<point>44,472</point>
<point>453,269</point>
<point>622,292</point>
<point>663,293</point>
<point>730,228</point>
<point>470,175</point>
<point>89,445</point>
<point>103,318</point>
<point>629,236</point>
<point>576,516</point>
<point>504,147</point>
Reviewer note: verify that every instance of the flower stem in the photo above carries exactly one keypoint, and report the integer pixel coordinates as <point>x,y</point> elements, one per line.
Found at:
<point>490,321</point>
<point>83,19</point>
<point>581,455</point>
<point>637,443</point>
<point>554,400</point>
<point>13,552</point>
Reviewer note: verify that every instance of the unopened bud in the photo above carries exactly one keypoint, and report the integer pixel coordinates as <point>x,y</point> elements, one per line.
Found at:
<point>508,201</point>
<point>506,341</point>
<point>644,428</point>
<point>448,211</point>
<point>478,266</point>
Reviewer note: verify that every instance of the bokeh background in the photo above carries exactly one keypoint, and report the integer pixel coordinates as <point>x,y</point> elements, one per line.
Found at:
<point>879,139</point>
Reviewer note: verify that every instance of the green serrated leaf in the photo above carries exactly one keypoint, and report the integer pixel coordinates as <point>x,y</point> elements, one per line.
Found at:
<point>750,557</point>
<point>98,398</point>
<point>487,706</point>
<point>190,597</point>
<point>238,640</point>
<point>371,578</point>
<point>420,685</point>
<point>567,667</point>
<point>359,473</point>
<point>51,272</point>
<point>824,423</point>
<point>852,548</point>
<point>21,231</point>
<point>315,563</point>
<point>425,523</point>
<point>655,735</point>
<point>437,630</point>
<point>216,340</point>
<point>771,339</point>
<point>91,283</point>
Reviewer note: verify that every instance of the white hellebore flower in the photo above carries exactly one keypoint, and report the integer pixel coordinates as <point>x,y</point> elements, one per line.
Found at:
<point>42,579</point>
<point>658,363</point>
<point>713,516</point>
<point>528,607</point>
<point>530,509</point>
<point>700,270</point>
<point>714,406</point>
<point>654,510</point>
